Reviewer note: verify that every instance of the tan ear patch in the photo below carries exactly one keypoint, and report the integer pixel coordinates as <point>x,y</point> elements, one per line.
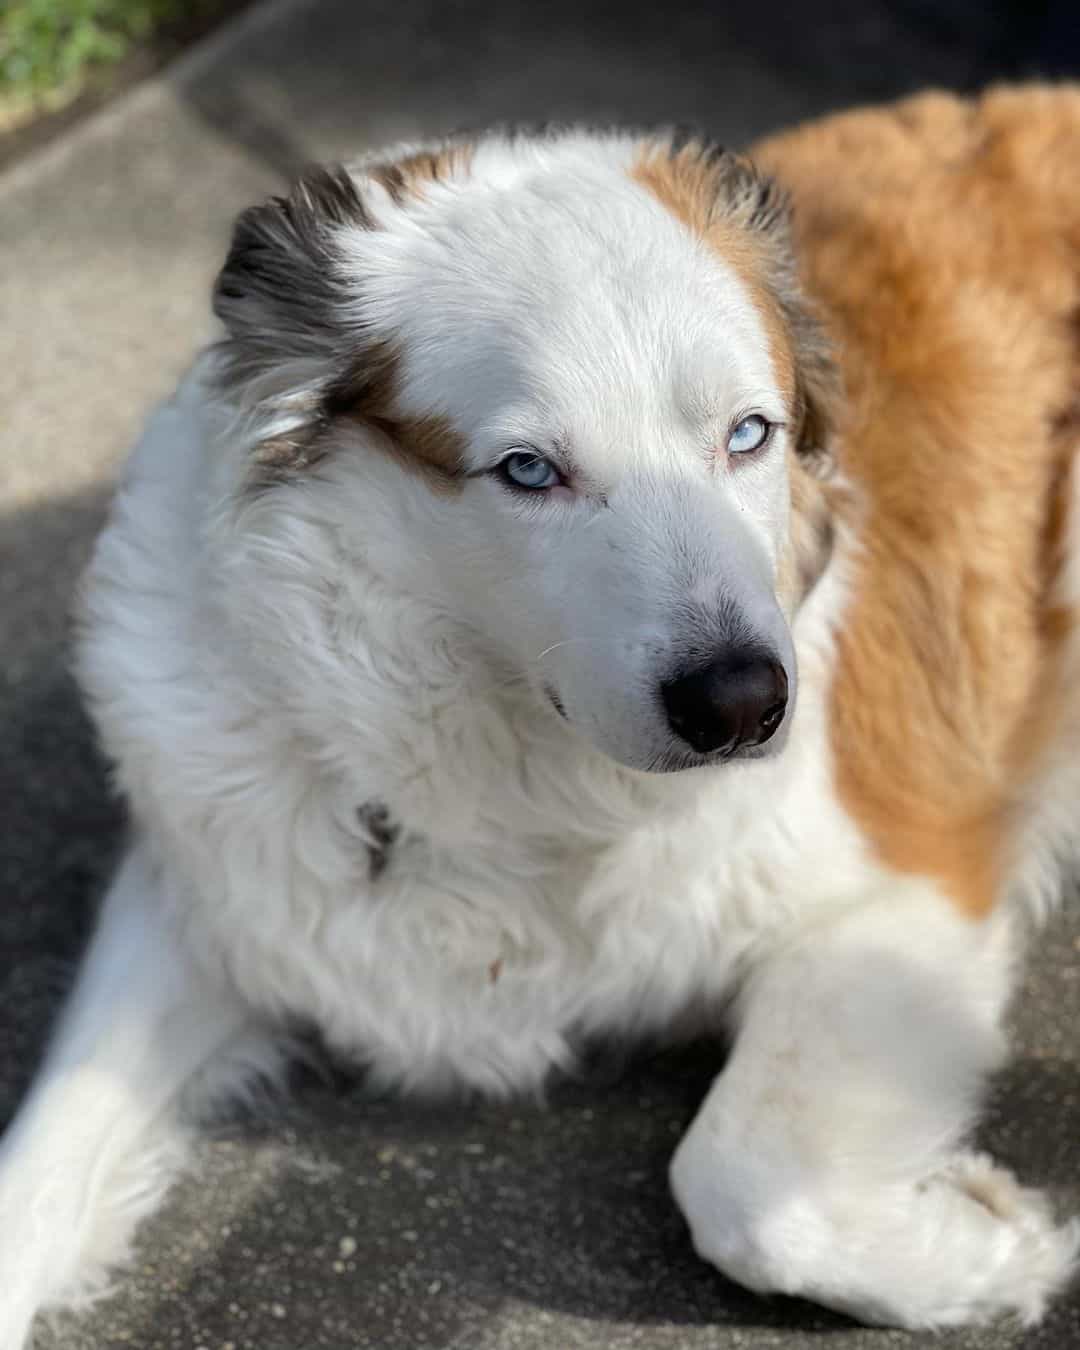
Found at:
<point>743,216</point>
<point>718,197</point>
<point>685,182</point>
<point>367,395</point>
<point>426,443</point>
<point>409,176</point>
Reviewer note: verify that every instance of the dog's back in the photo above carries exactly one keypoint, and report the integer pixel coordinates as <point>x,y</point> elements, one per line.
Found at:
<point>942,239</point>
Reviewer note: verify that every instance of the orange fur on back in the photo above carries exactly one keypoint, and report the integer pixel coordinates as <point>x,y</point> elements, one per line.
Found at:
<point>941,238</point>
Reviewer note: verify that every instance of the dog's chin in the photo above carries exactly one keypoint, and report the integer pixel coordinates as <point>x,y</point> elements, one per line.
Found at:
<point>682,759</point>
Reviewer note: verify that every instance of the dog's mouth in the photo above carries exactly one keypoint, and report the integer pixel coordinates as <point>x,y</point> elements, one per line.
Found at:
<point>682,759</point>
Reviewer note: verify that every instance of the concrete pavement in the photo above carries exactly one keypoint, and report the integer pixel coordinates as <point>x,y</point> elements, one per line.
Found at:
<point>342,1222</point>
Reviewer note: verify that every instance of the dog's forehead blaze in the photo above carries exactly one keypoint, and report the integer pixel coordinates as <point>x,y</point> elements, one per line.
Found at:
<point>689,185</point>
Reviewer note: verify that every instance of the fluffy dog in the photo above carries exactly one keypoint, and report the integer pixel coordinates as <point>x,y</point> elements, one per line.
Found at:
<point>517,629</point>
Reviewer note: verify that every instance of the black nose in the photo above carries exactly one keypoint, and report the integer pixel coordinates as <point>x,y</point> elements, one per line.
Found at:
<point>737,699</point>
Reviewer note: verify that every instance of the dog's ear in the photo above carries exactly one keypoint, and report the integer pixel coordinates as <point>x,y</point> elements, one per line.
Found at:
<point>281,293</point>
<point>290,313</point>
<point>299,358</point>
<point>759,204</point>
<point>818,387</point>
<point>730,202</point>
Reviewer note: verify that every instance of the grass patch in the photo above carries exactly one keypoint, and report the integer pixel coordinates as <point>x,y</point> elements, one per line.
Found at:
<point>53,50</point>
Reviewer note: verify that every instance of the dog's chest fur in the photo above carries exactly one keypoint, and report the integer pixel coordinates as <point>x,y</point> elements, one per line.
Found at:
<point>437,873</point>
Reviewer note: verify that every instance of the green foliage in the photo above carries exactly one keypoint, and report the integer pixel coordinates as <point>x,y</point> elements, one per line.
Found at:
<point>47,46</point>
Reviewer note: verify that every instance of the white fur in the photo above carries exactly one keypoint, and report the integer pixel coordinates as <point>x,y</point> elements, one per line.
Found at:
<point>263,665</point>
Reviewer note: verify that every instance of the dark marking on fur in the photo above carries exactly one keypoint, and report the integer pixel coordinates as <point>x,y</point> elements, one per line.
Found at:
<point>406,177</point>
<point>280,295</point>
<point>382,835</point>
<point>280,290</point>
<point>368,393</point>
<point>556,701</point>
<point>285,295</point>
<point>1065,421</point>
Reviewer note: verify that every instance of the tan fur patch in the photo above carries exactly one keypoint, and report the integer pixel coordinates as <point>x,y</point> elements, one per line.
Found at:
<point>367,395</point>
<point>407,177</point>
<point>691,185</point>
<point>426,443</point>
<point>943,238</point>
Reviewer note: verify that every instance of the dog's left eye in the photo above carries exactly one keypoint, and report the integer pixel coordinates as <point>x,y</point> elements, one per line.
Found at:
<point>750,434</point>
<point>527,469</point>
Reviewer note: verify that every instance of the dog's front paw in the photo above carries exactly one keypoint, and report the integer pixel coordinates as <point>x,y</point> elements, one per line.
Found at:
<point>1029,1255</point>
<point>963,1245</point>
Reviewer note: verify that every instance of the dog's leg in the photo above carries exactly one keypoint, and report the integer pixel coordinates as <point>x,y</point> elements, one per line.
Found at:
<point>97,1140</point>
<point>828,1159</point>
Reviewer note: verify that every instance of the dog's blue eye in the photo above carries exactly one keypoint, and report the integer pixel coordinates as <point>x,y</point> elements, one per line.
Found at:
<point>527,469</point>
<point>750,434</point>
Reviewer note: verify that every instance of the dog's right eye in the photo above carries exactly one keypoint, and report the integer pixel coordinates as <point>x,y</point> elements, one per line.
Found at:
<point>526,469</point>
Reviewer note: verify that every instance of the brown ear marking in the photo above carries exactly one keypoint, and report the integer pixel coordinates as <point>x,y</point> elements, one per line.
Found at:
<point>407,177</point>
<point>708,187</point>
<point>283,298</point>
<point>745,216</point>
<point>279,289</point>
<point>369,395</point>
<point>282,260</point>
<point>366,397</point>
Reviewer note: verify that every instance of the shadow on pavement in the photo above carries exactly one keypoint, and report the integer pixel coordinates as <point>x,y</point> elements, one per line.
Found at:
<point>61,826</point>
<point>361,75</point>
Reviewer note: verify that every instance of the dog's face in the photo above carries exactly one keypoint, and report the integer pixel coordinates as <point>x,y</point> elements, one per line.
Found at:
<point>587,352</point>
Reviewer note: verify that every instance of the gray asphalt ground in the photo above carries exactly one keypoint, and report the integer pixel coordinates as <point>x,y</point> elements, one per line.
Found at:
<point>339,1221</point>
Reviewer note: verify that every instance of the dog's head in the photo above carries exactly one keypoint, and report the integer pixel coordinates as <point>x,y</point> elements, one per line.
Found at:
<point>584,362</point>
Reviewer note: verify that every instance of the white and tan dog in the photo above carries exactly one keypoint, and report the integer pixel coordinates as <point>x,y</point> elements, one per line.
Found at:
<point>513,631</point>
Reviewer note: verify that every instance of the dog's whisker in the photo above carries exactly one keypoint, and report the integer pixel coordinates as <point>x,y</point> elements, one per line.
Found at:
<point>567,642</point>
<point>554,647</point>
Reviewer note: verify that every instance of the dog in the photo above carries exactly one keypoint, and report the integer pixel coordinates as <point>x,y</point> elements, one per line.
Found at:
<point>600,584</point>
